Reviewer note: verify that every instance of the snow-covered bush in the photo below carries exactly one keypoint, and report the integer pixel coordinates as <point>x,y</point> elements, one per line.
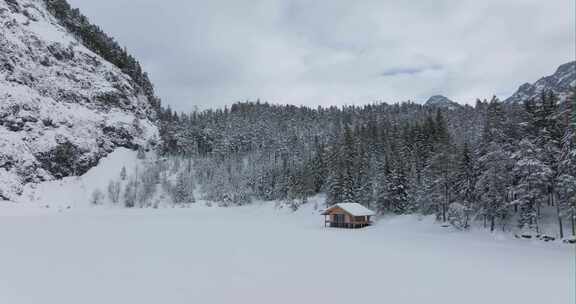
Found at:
<point>459,216</point>
<point>183,191</point>
<point>114,192</point>
<point>97,197</point>
<point>123,173</point>
<point>130,194</point>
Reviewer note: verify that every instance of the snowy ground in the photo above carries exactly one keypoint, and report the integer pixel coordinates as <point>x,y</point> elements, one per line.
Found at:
<point>259,254</point>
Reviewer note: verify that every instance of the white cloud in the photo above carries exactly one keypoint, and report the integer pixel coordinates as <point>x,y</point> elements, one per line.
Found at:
<point>213,53</point>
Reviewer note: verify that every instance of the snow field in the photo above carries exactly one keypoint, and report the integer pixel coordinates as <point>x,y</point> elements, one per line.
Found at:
<point>259,254</point>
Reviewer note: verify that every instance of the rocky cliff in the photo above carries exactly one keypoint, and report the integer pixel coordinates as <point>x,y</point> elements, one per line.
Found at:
<point>62,105</point>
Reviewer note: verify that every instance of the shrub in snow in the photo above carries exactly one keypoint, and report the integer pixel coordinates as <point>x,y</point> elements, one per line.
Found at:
<point>183,191</point>
<point>526,232</point>
<point>547,238</point>
<point>114,192</point>
<point>291,204</point>
<point>130,195</point>
<point>459,216</point>
<point>141,153</point>
<point>97,197</point>
<point>123,173</point>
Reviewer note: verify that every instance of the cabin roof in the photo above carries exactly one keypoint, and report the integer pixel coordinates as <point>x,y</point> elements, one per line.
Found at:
<point>353,209</point>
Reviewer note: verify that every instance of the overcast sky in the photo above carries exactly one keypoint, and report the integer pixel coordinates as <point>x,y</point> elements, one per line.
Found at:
<point>214,53</point>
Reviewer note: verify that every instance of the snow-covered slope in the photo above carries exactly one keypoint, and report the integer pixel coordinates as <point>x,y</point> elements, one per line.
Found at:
<point>62,107</point>
<point>561,82</point>
<point>76,191</point>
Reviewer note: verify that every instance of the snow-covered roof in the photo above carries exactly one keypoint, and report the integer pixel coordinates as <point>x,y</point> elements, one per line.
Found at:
<point>354,209</point>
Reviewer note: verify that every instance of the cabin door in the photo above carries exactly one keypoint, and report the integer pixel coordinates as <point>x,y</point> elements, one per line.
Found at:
<point>339,219</point>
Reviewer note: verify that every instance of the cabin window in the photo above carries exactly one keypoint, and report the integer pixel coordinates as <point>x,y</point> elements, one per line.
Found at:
<point>359,218</point>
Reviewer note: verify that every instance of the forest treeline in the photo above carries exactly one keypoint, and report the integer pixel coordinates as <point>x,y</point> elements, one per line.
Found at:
<point>504,166</point>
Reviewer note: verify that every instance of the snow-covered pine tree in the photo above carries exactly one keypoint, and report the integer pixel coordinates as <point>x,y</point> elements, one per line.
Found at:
<point>183,191</point>
<point>397,193</point>
<point>464,189</point>
<point>492,185</point>
<point>531,188</point>
<point>348,170</point>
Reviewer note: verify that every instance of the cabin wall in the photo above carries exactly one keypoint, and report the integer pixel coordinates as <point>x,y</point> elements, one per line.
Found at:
<point>348,219</point>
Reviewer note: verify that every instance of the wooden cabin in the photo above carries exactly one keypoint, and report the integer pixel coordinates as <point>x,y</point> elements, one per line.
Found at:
<point>348,215</point>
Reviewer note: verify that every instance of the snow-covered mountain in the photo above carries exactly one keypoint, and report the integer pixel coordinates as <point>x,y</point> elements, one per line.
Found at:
<point>62,106</point>
<point>441,101</point>
<point>560,83</point>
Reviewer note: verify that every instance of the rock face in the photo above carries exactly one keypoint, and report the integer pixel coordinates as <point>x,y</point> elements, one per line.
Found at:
<point>561,82</point>
<point>441,101</point>
<point>62,107</point>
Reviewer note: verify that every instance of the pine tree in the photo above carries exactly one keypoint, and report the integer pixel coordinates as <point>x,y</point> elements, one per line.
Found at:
<point>493,183</point>
<point>347,158</point>
<point>363,187</point>
<point>566,205</point>
<point>183,192</point>
<point>382,187</point>
<point>465,189</point>
<point>397,194</point>
<point>531,189</point>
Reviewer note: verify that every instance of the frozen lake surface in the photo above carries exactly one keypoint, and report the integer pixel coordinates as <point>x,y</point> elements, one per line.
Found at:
<point>258,254</point>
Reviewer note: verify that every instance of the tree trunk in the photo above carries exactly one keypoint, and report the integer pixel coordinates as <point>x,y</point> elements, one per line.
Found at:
<point>573,221</point>
<point>135,186</point>
<point>558,214</point>
<point>445,204</point>
<point>538,218</point>
<point>561,229</point>
<point>492,223</point>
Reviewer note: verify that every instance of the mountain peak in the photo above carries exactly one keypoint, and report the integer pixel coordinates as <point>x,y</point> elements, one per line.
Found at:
<point>560,83</point>
<point>441,101</point>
